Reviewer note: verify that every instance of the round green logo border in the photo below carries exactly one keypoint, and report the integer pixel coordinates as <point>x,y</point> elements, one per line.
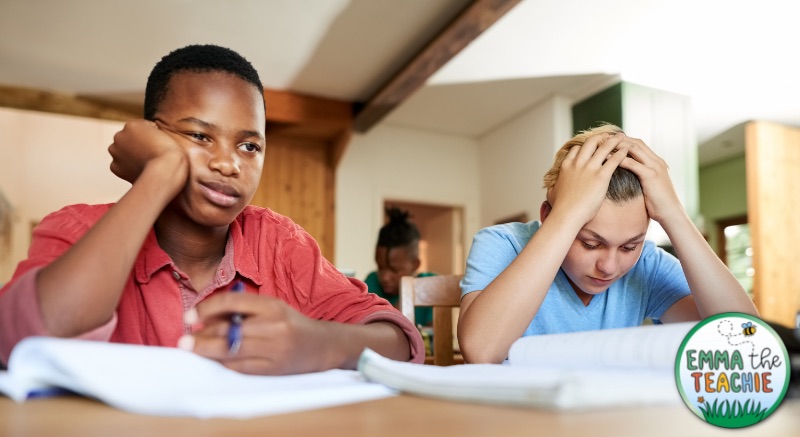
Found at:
<point>762,325</point>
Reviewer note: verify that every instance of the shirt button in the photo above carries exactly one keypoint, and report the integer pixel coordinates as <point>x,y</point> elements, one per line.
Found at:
<point>176,275</point>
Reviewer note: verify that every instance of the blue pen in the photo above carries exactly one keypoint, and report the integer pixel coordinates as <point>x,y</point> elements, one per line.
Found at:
<point>235,331</point>
<point>47,392</point>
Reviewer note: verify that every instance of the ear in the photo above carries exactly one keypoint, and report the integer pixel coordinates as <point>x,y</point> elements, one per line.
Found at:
<point>544,210</point>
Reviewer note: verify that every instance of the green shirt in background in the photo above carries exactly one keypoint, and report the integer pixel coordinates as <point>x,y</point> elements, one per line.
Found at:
<point>423,315</point>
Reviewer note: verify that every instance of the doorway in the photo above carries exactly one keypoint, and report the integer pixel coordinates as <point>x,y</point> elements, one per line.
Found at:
<point>441,228</point>
<point>736,251</point>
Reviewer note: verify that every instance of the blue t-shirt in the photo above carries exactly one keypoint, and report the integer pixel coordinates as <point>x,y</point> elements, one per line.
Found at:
<point>651,287</point>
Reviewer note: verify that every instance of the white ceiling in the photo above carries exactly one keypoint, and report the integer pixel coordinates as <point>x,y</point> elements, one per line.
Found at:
<point>341,49</point>
<point>475,108</point>
<point>736,59</point>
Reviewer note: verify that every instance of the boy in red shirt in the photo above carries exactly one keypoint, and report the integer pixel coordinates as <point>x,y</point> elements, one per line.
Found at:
<point>155,267</point>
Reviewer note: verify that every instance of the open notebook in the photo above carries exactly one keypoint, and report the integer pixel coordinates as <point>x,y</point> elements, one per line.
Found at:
<point>171,382</point>
<point>580,370</point>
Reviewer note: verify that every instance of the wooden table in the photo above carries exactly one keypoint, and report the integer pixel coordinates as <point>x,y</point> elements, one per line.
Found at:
<point>405,416</point>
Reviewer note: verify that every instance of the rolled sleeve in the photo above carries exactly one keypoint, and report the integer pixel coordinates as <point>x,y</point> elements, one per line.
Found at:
<point>19,313</point>
<point>411,331</point>
<point>21,316</point>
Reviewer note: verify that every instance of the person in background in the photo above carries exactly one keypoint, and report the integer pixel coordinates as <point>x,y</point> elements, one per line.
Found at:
<point>397,255</point>
<point>156,267</point>
<point>586,265</point>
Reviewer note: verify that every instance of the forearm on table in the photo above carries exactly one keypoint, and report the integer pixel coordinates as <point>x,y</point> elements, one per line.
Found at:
<point>346,342</point>
<point>713,286</point>
<point>499,314</point>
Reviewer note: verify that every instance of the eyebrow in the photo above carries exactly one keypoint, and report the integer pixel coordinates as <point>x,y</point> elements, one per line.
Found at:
<point>604,241</point>
<point>207,125</point>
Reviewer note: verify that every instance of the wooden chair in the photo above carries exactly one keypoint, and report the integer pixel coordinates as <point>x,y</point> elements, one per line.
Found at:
<point>443,294</point>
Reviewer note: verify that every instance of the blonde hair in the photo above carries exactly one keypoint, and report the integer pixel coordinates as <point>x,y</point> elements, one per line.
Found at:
<point>624,185</point>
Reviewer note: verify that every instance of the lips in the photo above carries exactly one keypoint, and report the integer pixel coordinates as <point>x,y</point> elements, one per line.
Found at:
<point>219,193</point>
<point>600,282</point>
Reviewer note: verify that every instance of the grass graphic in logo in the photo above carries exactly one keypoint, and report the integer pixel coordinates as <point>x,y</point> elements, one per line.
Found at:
<point>732,414</point>
<point>732,370</point>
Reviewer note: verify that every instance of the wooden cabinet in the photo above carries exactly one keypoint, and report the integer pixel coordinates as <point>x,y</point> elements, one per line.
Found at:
<point>772,154</point>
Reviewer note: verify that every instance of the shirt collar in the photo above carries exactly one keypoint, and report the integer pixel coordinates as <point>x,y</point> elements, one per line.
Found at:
<point>152,257</point>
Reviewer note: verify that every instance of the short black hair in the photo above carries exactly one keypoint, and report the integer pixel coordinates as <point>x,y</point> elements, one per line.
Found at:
<point>400,231</point>
<point>199,59</point>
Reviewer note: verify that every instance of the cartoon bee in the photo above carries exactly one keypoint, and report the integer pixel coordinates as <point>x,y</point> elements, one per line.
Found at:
<point>749,329</point>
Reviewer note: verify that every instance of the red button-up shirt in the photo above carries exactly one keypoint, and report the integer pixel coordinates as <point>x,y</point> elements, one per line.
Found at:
<point>271,254</point>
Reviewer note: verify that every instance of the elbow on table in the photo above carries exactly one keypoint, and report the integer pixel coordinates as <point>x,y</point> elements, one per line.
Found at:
<point>477,352</point>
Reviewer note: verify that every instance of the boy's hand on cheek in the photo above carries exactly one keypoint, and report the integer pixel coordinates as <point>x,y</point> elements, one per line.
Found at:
<point>276,339</point>
<point>140,143</point>
<point>660,196</point>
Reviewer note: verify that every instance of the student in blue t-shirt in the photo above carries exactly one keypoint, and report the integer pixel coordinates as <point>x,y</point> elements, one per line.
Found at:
<point>587,265</point>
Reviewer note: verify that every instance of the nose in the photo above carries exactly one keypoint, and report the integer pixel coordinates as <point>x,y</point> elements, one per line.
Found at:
<point>607,263</point>
<point>386,276</point>
<point>225,160</point>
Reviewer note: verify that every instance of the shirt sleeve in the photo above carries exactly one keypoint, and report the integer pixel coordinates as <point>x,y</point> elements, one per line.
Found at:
<point>20,314</point>
<point>321,292</point>
<point>668,283</point>
<point>492,251</point>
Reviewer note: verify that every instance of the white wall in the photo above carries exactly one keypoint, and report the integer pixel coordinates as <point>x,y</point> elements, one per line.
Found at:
<point>515,156</point>
<point>393,162</point>
<point>48,161</point>
<point>663,121</point>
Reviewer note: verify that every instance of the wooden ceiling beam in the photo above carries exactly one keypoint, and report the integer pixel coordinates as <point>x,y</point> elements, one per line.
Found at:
<point>465,28</point>
<point>68,104</point>
<point>283,107</point>
<point>296,115</point>
<point>294,108</point>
